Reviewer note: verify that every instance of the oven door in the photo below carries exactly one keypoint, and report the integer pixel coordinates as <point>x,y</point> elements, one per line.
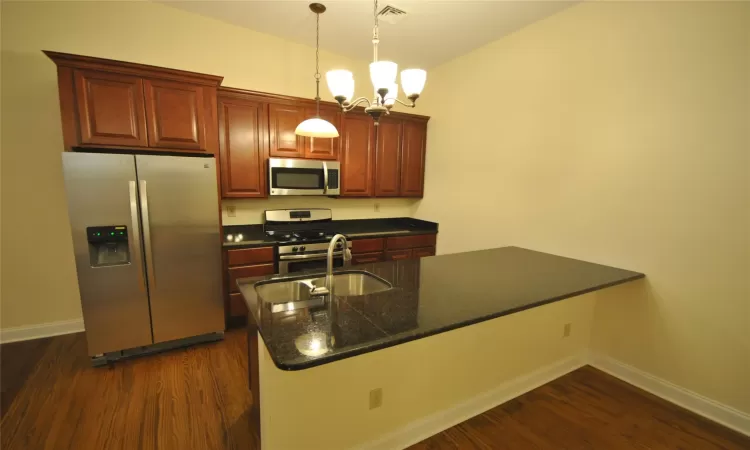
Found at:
<point>298,263</point>
<point>303,177</point>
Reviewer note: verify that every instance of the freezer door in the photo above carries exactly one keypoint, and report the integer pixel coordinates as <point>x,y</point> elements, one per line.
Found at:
<point>102,195</point>
<point>180,214</point>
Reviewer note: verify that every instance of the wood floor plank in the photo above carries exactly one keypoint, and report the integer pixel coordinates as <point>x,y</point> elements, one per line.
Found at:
<point>198,398</point>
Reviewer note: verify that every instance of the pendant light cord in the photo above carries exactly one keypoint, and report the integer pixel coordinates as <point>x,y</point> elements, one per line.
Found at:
<point>317,64</point>
<point>375,34</point>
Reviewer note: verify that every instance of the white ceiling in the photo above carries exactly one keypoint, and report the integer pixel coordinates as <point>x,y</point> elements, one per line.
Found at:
<point>433,32</point>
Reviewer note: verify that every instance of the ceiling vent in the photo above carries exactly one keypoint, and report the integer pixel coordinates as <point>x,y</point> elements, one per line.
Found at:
<point>391,14</point>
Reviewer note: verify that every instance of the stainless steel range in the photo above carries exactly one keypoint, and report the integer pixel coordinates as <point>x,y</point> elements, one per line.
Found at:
<point>303,236</point>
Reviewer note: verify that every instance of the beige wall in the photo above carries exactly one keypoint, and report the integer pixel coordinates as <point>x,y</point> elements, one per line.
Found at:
<point>39,281</point>
<point>615,132</point>
<point>418,379</point>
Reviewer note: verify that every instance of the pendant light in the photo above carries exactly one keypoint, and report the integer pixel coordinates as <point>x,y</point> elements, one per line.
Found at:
<point>383,77</point>
<point>317,127</point>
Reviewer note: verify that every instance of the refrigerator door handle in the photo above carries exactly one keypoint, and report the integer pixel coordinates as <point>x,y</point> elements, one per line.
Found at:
<point>147,236</point>
<point>134,229</point>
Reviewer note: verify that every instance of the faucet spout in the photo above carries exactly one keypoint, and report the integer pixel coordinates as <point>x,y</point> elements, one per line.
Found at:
<point>331,249</point>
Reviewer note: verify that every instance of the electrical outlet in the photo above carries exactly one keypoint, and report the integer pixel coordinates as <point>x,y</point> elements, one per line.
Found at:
<point>231,210</point>
<point>566,330</point>
<point>377,207</point>
<point>376,398</point>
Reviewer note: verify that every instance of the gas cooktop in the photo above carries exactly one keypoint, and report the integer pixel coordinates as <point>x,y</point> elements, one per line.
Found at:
<point>300,236</point>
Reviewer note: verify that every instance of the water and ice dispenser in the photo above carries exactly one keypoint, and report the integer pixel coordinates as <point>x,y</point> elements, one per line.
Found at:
<point>108,245</point>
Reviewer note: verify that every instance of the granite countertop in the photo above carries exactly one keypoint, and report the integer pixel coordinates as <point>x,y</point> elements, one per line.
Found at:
<point>429,296</point>
<point>253,235</point>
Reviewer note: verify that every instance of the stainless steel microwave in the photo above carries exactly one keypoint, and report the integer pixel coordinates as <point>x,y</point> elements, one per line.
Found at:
<point>303,177</point>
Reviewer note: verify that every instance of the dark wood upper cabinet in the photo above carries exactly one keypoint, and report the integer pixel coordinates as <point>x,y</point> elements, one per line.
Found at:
<point>388,159</point>
<point>111,109</point>
<point>412,158</point>
<point>119,105</point>
<point>323,148</point>
<point>282,121</point>
<point>175,115</point>
<point>357,142</point>
<point>242,146</point>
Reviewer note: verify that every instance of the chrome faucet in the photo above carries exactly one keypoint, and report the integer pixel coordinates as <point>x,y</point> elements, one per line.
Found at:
<point>328,288</point>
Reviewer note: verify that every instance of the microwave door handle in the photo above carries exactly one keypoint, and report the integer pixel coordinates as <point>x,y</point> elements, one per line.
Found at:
<point>325,177</point>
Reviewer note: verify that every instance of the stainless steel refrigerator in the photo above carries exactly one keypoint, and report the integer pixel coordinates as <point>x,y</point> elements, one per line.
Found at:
<point>147,244</point>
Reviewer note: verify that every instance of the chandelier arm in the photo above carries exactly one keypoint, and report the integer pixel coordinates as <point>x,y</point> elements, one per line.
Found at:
<point>408,105</point>
<point>351,105</point>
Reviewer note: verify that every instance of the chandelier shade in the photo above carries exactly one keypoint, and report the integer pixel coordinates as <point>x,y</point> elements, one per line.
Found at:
<point>412,81</point>
<point>341,84</point>
<point>383,76</point>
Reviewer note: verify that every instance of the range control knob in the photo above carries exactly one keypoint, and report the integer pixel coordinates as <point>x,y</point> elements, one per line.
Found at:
<point>302,249</point>
<point>294,249</point>
<point>338,244</point>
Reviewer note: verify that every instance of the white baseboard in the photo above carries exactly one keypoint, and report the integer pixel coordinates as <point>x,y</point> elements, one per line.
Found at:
<point>43,330</point>
<point>711,409</point>
<point>421,429</point>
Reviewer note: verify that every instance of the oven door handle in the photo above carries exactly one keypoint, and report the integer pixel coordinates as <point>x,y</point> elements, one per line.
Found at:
<point>308,257</point>
<point>325,177</point>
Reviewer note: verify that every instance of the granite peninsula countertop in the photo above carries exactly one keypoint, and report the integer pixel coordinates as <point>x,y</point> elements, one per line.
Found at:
<point>253,235</point>
<point>429,296</point>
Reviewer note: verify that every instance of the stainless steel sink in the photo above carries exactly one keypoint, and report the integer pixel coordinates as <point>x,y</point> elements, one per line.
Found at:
<point>290,294</point>
<point>356,283</point>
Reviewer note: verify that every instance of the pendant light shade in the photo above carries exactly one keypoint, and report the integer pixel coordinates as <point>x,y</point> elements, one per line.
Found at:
<point>383,74</point>
<point>316,127</point>
<point>412,80</point>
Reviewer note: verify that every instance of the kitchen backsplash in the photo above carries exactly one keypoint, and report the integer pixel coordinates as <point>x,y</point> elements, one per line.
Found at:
<point>249,211</point>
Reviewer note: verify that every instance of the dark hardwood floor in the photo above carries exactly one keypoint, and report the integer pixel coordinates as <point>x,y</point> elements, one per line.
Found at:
<point>198,398</point>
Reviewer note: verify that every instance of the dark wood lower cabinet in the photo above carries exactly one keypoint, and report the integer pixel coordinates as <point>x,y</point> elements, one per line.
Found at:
<point>366,258</point>
<point>395,255</point>
<point>242,263</point>
<point>237,306</point>
<point>425,251</point>
<point>372,250</point>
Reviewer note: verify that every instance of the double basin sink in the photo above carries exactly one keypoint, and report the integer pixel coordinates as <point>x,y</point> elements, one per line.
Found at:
<point>290,294</point>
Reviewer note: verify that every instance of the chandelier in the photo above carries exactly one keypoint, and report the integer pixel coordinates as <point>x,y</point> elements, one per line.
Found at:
<point>317,127</point>
<point>383,77</point>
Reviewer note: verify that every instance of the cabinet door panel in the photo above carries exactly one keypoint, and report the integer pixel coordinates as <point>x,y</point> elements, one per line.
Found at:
<point>110,108</point>
<point>282,121</point>
<point>256,270</point>
<point>412,159</point>
<point>245,256</point>
<point>365,258</point>
<point>242,148</point>
<point>425,251</point>
<point>175,114</point>
<point>357,156</point>
<point>395,255</point>
<point>419,240</point>
<point>388,159</point>
<point>323,148</point>
<point>237,305</point>
<point>368,245</point>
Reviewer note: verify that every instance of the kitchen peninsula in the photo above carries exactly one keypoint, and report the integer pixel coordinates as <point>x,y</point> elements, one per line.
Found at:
<point>440,308</point>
